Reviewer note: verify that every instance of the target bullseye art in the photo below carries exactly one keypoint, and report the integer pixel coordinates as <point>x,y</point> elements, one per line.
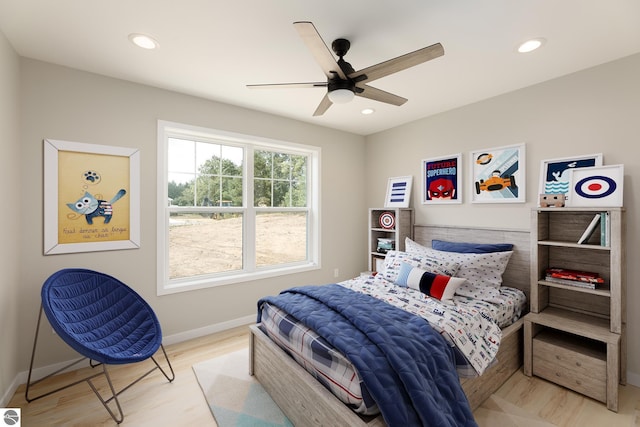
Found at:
<point>387,220</point>
<point>596,186</point>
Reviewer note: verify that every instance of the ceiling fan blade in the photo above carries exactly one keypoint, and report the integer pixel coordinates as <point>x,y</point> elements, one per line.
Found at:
<point>323,106</point>
<point>319,49</point>
<point>376,94</point>
<point>287,85</point>
<point>400,63</point>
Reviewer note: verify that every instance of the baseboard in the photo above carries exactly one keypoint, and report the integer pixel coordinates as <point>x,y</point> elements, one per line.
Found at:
<point>208,330</point>
<point>633,379</point>
<point>21,377</point>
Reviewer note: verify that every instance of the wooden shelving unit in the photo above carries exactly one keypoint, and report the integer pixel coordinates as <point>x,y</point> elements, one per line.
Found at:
<point>402,228</point>
<point>574,336</point>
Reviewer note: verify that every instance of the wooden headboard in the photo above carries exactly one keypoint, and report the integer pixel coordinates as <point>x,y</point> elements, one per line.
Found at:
<point>517,273</point>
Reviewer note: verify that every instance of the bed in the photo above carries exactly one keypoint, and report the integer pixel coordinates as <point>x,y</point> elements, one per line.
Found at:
<point>306,402</point>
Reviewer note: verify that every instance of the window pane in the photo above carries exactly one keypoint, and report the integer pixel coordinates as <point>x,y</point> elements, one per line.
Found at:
<point>262,164</point>
<point>299,194</point>
<point>208,191</point>
<point>262,193</point>
<point>281,238</point>
<point>231,192</point>
<point>232,160</point>
<point>204,244</point>
<point>281,194</point>
<point>281,166</point>
<point>207,157</point>
<point>181,155</point>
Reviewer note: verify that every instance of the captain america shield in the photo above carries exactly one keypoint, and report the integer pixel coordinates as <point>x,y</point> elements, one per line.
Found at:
<point>595,187</point>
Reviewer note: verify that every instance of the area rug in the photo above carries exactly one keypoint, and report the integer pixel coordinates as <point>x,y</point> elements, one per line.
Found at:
<point>237,399</point>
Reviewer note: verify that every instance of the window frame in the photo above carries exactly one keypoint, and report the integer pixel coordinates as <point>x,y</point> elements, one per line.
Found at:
<point>249,271</point>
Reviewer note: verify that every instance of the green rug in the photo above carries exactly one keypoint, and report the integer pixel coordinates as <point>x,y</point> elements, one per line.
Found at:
<point>235,398</point>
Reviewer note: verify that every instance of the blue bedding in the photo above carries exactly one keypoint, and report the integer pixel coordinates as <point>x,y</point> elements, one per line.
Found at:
<point>407,367</point>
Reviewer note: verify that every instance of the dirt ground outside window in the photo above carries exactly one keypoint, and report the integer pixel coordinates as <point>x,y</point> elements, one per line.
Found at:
<point>202,245</point>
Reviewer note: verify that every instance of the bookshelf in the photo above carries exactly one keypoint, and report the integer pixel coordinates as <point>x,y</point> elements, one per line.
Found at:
<point>402,228</point>
<point>576,336</point>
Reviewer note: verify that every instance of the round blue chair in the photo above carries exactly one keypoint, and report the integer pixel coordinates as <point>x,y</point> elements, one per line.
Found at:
<point>106,322</point>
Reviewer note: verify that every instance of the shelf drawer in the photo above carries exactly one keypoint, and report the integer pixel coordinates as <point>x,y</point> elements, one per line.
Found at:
<point>576,363</point>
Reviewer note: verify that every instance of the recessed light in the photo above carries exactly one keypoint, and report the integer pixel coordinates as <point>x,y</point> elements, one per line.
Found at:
<point>144,41</point>
<point>368,111</point>
<point>530,45</point>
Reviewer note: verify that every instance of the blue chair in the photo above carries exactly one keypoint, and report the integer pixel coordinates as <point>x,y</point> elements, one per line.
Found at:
<point>106,322</point>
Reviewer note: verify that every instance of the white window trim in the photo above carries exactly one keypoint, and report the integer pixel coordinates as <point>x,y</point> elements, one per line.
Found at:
<point>166,286</point>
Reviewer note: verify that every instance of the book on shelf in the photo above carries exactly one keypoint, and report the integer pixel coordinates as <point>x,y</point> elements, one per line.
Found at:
<point>574,275</point>
<point>576,283</point>
<point>591,228</point>
<point>605,229</point>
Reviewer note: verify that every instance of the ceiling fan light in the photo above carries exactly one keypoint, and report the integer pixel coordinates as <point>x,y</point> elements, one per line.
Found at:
<point>341,96</point>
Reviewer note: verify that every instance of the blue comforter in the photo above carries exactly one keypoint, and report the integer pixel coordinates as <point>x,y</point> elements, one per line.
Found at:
<point>407,367</point>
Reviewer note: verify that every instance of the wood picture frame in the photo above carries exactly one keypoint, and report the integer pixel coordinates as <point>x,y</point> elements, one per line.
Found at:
<point>91,197</point>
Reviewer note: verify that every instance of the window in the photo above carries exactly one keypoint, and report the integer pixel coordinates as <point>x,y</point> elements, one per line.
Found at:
<point>233,208</point>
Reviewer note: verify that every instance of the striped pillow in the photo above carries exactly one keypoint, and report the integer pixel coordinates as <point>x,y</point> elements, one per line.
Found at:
<point>435,285</point>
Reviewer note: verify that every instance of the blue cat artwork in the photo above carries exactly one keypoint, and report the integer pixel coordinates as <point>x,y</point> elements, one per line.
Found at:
<point>91,207</point>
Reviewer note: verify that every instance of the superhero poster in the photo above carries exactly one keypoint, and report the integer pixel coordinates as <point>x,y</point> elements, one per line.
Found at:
<point>441,179</point>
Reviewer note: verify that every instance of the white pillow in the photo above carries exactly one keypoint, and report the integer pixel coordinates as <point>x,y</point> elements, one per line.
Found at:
<point>478,269</point>
<point>435,285</point>
<point>394,259</point>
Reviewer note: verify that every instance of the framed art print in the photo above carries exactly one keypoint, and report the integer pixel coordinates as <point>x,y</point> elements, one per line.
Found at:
<point>596,186</point>
<point>498,175</point>
<point>441,180</point>
<point>398,192</point>
<point>91,197</point>
<point>554,173</point>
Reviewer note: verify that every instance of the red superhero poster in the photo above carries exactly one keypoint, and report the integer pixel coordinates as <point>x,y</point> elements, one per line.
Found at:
<point>441,179</point>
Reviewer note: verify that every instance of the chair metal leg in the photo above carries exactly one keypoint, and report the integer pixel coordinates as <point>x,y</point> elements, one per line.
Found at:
<point>33,352</point>
<point>173,375</point>
<point>117,417</point>
<point>114,396</point>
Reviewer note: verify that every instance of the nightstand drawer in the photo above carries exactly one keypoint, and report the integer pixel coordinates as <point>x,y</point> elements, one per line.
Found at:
<point>572,362</point>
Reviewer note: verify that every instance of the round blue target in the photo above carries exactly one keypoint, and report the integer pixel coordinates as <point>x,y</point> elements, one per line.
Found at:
<point>595,187</point>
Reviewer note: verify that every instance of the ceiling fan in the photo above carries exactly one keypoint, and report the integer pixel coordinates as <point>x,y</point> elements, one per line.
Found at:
<point>343,82</point>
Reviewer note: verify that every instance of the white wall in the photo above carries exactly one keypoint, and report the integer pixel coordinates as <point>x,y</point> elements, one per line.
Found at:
<point>66,104</point>
<point>10,213</point>
<point>593,111</point>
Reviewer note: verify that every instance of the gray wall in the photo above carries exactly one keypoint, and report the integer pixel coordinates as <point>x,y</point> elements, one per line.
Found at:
<point>10,214</point>
<point>593,111</point>
<point>71,105</point>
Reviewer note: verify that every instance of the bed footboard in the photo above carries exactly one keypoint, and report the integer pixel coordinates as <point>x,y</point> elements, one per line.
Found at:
<point>300,396</point>
<point>306,402</point>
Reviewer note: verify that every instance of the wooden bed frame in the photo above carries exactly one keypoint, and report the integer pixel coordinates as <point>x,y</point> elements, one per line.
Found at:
<point>307,402</point>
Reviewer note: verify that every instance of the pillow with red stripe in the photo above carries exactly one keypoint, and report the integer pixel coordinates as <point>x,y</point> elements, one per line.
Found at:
<point>435,285</point>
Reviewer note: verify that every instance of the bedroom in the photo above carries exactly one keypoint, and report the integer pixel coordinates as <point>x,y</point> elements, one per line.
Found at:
<point>590,111</point>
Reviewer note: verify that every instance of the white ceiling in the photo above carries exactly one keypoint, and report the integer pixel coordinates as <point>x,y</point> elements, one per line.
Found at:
<point>213,48</point>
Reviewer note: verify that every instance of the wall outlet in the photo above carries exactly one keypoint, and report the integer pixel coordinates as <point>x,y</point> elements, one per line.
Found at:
<point>336,272</point>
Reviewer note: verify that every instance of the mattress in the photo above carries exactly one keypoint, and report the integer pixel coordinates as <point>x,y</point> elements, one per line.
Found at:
<point>470,326</point>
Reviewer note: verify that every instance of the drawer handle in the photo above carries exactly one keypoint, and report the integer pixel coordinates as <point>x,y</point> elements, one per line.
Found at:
<point>558,374</point>
<point>578,364</point>
<point>578,382</point>
<point>557,357</point>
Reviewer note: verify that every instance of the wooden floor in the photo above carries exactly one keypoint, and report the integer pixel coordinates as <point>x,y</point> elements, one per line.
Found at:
<point>521,402</point>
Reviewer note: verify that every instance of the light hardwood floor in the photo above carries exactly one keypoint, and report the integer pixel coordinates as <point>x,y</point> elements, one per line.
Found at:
<point>520,402</point>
